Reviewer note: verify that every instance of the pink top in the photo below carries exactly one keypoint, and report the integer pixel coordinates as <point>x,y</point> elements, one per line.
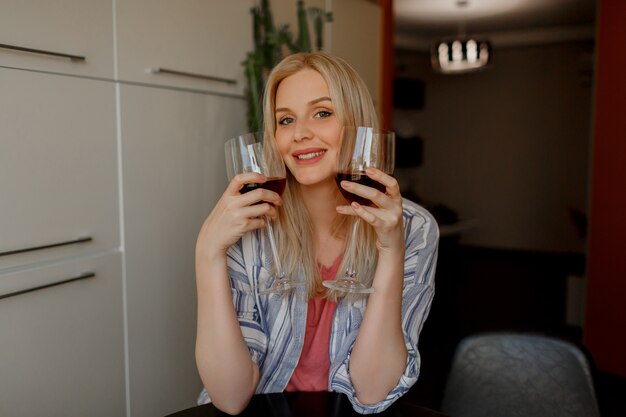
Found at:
<point>311,373</point>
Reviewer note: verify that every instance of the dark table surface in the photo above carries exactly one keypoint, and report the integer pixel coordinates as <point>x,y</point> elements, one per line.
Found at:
<point>305,404</point>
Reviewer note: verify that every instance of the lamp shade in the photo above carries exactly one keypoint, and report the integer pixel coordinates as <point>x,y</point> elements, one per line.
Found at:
<point>460,55</point>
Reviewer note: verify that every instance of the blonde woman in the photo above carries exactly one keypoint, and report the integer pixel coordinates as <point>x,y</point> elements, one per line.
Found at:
<point>363,347</point>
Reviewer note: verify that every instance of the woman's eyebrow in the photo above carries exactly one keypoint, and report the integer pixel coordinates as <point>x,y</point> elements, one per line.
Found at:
<point>311,103</point>
<point>319,100</point>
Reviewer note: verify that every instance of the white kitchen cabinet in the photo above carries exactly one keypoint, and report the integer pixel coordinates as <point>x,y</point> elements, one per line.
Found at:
<point>58,166</point>
<point>71,27</point>
<point>203,38</point>
<point>62,347</point>
<point>173,173</point>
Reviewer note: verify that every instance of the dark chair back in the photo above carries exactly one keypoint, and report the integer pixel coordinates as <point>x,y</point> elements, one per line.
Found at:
<point>506,375</point>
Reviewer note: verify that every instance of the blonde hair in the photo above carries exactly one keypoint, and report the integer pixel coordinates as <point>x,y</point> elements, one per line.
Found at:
<point>294,231</point>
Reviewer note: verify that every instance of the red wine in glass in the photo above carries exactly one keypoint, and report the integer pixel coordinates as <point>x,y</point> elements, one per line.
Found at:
<point>246,153</point>
<point>361,147</point>
<point>273,184</point>
<point>360,178</point>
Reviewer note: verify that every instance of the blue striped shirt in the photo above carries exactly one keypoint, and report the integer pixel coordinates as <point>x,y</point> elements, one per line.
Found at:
<point>273,325</point>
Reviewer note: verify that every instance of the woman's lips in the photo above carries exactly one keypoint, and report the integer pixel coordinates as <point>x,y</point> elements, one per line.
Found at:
<point>308,156</point>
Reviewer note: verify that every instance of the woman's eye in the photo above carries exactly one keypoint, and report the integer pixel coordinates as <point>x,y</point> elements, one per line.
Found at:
<point>323,114</point>
<point>285,121</point>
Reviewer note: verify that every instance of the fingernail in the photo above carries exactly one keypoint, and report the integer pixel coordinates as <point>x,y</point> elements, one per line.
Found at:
<point>355,205</point>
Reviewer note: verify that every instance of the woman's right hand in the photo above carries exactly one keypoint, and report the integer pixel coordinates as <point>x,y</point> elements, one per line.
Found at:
<point>235,214</point>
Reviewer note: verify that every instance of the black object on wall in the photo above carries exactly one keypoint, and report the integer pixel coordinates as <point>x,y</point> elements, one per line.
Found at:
<point>408,93</point>
<point>409,151</point>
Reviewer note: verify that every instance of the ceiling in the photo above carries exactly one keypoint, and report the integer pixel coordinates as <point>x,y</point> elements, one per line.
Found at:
<point>437,18</point>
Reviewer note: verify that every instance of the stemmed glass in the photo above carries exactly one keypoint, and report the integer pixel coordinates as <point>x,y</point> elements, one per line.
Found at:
<point>361,148</point>
<point>245,153</point>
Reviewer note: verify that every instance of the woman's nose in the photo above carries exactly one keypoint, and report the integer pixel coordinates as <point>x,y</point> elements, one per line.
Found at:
<point>302,132</point>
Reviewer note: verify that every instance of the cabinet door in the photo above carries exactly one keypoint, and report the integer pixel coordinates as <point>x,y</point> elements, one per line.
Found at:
<point>62,348</point>
<point>58,166</point>
<point>71,27</point>
<point>174,172</point>
<point>198,37</point>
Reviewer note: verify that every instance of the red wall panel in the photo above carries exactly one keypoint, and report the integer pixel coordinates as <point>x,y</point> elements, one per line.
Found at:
<point>605,327</point>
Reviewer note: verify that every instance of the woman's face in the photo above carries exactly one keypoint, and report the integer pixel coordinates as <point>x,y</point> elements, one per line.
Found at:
<point>308,134</point>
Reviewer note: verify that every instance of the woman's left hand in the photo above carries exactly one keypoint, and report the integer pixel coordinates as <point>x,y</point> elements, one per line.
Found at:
<point>386,213</point>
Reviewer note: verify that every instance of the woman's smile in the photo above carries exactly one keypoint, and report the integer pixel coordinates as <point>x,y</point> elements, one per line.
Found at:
<point>308,156</point>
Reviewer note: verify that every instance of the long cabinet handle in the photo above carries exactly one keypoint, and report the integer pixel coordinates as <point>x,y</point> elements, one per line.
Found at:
<point>48,246</point>
<point>159,70</point>
<point>54,284</point>
<point>71,57</point>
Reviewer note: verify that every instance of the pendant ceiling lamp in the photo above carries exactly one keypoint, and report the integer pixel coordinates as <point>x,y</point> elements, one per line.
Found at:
<point>460,54</point>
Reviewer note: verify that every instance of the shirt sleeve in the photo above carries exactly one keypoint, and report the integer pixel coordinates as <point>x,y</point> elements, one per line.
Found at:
<point>421,238</point>
<point>243,276</point>
<point>244,301</point>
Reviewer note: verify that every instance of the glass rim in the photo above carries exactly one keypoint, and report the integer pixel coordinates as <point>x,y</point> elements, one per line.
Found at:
<point>258,134</point>
<point>378,130</point>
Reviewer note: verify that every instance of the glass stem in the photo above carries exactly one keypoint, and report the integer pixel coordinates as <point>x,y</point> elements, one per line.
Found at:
<point>280,274</point>
<point>351,272</point>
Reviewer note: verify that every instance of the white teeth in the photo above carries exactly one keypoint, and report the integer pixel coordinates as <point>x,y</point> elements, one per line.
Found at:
<point>310,155</point>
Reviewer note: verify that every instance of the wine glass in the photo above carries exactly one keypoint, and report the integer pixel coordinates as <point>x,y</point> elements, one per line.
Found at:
<point>245,153</point>
<point>361,148</point>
